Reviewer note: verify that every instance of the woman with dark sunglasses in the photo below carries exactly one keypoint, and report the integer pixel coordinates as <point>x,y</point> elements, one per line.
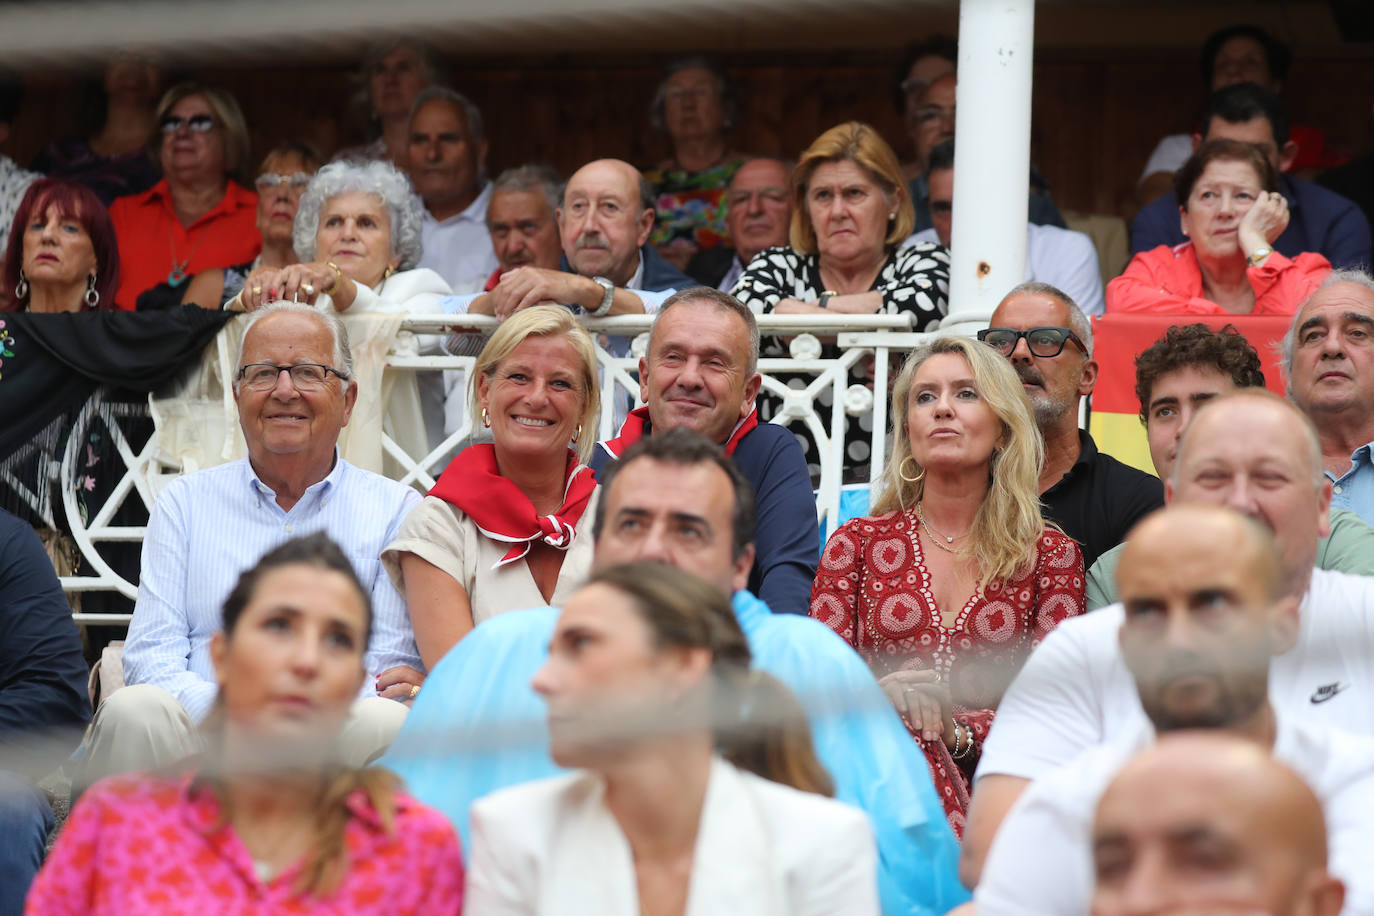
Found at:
<point>197,217</point>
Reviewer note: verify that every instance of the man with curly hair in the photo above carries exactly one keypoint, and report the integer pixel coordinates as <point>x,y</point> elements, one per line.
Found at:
<point>1187,367</point>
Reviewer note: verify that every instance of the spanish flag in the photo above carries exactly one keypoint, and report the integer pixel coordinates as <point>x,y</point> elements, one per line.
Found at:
<point>1114,417</point>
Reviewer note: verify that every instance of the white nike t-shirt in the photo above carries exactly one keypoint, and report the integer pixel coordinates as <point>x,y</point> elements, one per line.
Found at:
<point>1041,864</point>
<point>1075,693</point>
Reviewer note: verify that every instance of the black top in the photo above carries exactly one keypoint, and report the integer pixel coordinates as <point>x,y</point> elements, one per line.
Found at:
<point>1100,499</point>
<point>42,672</point>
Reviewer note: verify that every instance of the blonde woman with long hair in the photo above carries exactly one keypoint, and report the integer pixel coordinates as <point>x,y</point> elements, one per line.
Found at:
<point>952,581</point>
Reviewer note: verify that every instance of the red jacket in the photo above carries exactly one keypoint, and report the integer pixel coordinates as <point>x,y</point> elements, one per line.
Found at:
<point>1167,280</point>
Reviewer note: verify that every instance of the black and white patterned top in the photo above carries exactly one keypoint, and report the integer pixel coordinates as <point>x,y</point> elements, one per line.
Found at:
<point>914,279</point>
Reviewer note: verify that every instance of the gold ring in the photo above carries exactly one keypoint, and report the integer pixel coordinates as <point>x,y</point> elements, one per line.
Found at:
<point>414,691</point>
<point>257,290</point>
<point>308,289</point>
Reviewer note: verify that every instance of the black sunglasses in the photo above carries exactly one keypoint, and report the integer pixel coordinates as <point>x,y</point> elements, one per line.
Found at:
<point>1043,342</point>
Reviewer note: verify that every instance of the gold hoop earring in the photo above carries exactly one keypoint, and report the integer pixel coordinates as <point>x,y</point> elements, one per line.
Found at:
<point>577,436</point>
<point>901,470</point>
<point>486,418</point>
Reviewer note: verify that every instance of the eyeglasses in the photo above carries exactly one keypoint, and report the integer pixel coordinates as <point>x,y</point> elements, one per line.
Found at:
<point>269,180</point>
<point>200,124</point>
<point>305,376</point>
<point>1042,342</point>
<point>683,93</point>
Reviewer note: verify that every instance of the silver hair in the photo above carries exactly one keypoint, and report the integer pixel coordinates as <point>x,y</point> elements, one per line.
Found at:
<point>1078,322</point>
<point>531,177</point>
<point>342,360</point>
<point>1290,339</point>
<point>381,179</point>
<point>723,301</point>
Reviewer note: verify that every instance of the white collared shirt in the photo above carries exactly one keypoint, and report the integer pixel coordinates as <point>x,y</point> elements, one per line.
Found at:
<point>459,248</point>
<point>210,526</point>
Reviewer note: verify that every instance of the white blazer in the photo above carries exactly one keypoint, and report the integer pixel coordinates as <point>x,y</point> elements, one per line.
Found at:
<point>552,848</point>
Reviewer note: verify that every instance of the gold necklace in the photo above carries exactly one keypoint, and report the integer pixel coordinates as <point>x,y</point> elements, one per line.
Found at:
<point>933,532</point>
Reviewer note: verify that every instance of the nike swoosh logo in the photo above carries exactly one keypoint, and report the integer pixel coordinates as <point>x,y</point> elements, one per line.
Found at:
<point>1327,691</point>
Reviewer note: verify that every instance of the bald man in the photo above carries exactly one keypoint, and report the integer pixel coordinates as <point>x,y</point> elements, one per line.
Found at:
<point>1180,829</point>
<point>1206,607</point>
<point>604,220</point>
<point>1257,453</point>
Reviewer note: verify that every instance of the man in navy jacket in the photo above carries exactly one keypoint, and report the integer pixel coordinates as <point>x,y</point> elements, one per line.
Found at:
<point>700,373</point>
<point>1322,220</point>
<point>43,702</point>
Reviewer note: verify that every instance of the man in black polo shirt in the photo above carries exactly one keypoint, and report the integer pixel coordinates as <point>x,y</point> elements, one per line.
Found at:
<point>1093,497</point>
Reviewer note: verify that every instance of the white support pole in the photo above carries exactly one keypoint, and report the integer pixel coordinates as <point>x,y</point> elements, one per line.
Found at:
<point>991,158</point>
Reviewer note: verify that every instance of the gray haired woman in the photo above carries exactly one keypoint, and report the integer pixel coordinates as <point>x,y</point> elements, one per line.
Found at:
<point>357,234</point>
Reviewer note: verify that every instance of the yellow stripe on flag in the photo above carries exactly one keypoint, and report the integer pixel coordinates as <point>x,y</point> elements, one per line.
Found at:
<point>1121,436</point>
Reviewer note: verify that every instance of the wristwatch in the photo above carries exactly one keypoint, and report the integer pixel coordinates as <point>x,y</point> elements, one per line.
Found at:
<point>606,299</point>
<point>1258,255</point>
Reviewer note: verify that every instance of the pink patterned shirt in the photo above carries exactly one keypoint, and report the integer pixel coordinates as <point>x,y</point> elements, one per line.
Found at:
<point>137,845</point>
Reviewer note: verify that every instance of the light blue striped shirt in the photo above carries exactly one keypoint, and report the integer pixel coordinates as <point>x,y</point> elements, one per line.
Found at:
<point>210,526</point>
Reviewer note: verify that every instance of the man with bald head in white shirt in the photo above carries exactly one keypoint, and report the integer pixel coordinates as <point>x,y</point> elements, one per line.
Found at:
<point>1206,606</point>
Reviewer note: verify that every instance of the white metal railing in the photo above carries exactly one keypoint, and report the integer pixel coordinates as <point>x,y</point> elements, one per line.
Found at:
<point>621,341</point>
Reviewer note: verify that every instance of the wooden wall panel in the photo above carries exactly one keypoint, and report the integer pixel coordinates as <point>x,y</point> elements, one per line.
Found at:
<point>1096,115</point>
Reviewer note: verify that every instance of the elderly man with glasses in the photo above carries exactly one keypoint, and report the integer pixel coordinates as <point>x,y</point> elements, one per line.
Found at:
<point>1093,497</point>
<point>295,391</point>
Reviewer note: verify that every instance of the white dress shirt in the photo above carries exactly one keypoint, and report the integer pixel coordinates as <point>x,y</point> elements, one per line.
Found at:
<point>1041,861</point>
<point>1074,691</point>
<point>459,248</point>
<point>1060,257</point>
<point>210,526</point>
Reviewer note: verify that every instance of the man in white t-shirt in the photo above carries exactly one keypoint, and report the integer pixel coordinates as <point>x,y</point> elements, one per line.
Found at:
<point>1256,453</point>
<point>1205,606</point>
<point>1178,830</point>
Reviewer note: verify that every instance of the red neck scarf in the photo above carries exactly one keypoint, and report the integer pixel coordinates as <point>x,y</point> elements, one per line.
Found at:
<point>637,426</point>
<point>502,512</point>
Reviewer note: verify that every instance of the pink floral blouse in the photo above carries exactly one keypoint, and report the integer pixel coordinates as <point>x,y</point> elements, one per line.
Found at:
<point>136,845</point>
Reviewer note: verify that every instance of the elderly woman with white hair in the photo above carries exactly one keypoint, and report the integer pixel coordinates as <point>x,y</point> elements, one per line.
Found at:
<point>357,234</point>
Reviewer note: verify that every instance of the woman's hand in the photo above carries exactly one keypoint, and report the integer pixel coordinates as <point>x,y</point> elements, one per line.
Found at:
<point>1264,222</point>
<point>296,283</point>
<point>923,698</point>
<point>400,683</point>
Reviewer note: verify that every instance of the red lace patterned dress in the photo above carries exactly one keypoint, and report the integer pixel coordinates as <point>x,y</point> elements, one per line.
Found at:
<point>874,590</point>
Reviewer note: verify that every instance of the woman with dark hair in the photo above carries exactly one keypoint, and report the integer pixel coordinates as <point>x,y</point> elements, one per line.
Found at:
<point>696,106</point>
<point>1232,210</point>
<point>197,216</point>
<point>697,789</point>
<point>61,255</point>
<point>111,156</point>
<point>268,820</point>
